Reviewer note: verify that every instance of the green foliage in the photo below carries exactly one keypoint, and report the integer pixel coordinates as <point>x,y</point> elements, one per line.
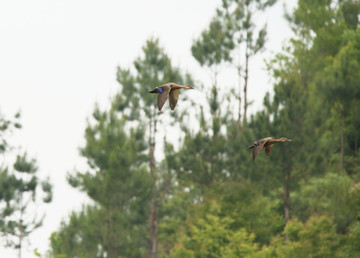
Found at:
<point>316,238</point>
<point>239,19</point>
<point>174,211</point>
<point>249,209</point>
<point>340,81</point>
<point>337,87</point>
<point>200,161</point>
<point>95,233</point>
<point>211,236</point>
<point>297,111</point>
<point>319,237</point>
<point>19,191</point>
<point>231,38</point>
<point>333,195</point>
<point>351,248</point>
<point>119,185</point>
<point>214,45</point>
<point>211,199</point>
<point>6,128</point>
<point>115,156</point>
<point>118,150</point>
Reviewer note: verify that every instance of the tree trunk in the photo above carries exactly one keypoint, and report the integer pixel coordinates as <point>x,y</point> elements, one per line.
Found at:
<point>247,56</point>
<point>356,138</point>
<point>342,143</point>
<point>152,144</point>
<point>110,246</point>
<point>112,252</point>
<point>287,202</point>
<point>20,238</point>
<point>153,226</point>
<point>239,112</point>
<point>20,227</point>
<point>153,218</point>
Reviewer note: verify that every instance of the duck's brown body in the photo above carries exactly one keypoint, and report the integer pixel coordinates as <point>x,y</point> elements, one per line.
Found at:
<point>169,90</point>
<point>266,143</point>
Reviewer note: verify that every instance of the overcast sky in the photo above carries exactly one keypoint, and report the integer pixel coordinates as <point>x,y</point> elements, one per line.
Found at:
<point>58,58</point>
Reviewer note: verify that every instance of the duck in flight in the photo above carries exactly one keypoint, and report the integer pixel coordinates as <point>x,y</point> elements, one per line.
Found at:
<point>266,143</point>
<point>169,90</point>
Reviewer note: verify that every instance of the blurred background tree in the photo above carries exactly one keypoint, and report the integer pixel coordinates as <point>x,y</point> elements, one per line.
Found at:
<point>20,188</point>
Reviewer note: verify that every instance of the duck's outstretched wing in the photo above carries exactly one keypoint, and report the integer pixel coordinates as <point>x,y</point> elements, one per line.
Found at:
<point>256,151</point>
<point>268,149</point>
<point>258,148</point>
<point>162,97</point>
<point>173,98</point>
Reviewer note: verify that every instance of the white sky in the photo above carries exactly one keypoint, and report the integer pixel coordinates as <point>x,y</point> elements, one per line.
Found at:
<point>58,58</point>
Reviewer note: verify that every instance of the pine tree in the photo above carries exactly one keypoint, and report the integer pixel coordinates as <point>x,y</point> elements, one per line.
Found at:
<point>18,220</point>
<point>153,68</point>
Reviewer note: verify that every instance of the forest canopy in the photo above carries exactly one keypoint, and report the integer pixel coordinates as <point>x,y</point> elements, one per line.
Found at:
<point>205,196</point>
